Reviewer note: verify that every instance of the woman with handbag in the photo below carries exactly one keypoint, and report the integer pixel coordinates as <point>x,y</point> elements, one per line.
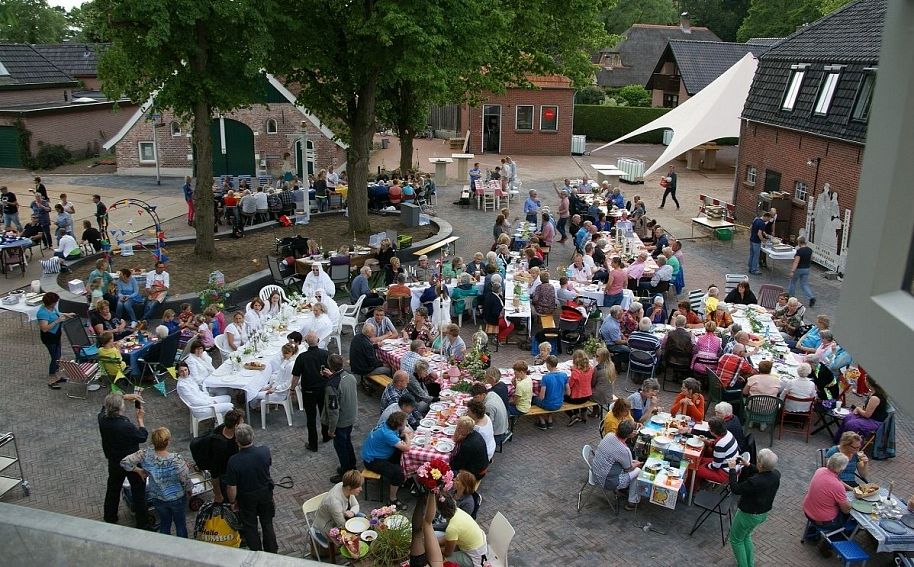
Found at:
<point>49,321</point>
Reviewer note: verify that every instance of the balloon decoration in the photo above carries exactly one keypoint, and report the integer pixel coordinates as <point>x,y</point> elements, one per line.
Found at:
<point>120,236</point>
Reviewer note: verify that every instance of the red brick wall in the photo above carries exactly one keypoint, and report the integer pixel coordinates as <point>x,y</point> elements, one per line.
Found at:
<point>75,129</point>
<point>787,151</point>
<point>32,96</point>
<point>530,142</point>
<point>173,150</point>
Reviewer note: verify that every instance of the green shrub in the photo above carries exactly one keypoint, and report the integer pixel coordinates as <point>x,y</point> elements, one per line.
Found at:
<point>607,123</point>
<point>590,95</point>
<point>51,155</point>
<point>634,95</point>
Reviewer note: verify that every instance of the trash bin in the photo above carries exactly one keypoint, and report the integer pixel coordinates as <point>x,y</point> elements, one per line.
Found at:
<point>724,234</point>
<point>667,136</point>
<point>578,145</point>
<point>409,214</point>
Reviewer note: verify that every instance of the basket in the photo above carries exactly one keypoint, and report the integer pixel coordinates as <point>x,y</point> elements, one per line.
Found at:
<point>403,241</point>
<point>725,234</point>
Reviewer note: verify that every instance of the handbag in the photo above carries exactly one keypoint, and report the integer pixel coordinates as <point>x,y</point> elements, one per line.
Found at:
<point>664,182</point>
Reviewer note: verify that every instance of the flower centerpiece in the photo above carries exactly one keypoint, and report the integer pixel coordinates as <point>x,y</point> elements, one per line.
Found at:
<point>475,361</point>
<point>435,475</point>
<point>592,344</point>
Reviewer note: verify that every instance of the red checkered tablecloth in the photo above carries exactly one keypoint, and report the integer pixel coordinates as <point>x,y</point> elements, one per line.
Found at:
<point>418,455</point>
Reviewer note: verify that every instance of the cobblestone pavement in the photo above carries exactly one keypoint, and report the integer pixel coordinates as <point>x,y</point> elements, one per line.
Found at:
<point>534,482</point>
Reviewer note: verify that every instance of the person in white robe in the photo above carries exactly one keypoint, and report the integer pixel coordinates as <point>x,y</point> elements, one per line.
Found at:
<point>318,279</point>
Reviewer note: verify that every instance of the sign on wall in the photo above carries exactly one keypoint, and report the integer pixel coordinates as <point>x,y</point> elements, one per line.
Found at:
<point>823,223</point>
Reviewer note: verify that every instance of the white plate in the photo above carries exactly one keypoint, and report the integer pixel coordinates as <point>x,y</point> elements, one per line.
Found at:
<point>437,358</point>
<point>447,394</point>
<point>444,446</point>
<point>450,429</point>
<point>658,419</point>
<point>369,536</point>
<point>437,429</point>
<point>388,348</point>
<point>357,525</point>
<point>842,411</point>
<point>420,440</point>
<point>695,442</point>
<point>429,423</point>
<point>438,406</point>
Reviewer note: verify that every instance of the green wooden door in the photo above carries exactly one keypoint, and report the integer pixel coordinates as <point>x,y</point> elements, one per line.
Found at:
<point>238,158</point>
<point>9,147</point>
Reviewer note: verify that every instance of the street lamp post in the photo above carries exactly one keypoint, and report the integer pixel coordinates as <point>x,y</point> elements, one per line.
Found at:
<point>817,161</point>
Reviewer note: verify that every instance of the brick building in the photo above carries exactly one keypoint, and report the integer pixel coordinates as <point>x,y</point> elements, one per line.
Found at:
<point>50,104</point>
<point>805,124</point>
<point>524,121</point>
<point>271,138</point>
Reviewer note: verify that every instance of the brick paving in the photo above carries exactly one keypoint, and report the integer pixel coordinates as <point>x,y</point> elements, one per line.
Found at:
<point>534,482</point>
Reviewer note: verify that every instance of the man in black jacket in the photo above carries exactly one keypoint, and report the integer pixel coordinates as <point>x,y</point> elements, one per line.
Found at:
<point>120,437</point>
<point>757,493</point>
<point>222,447</point>
<point>362,357</point>
<point>249,487</point>
<point>470,453</point>
<point>307,370</point>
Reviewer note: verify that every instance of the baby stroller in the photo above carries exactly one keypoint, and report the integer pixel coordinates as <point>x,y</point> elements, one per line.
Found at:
<point>573,321</point>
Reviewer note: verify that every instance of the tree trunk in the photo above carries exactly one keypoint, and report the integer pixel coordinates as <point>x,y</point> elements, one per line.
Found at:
<point>361,130</point>
<point>406,149</point>
<point>205,245</point>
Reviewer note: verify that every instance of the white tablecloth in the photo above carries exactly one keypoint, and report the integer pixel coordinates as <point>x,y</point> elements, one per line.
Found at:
<point>30,311</point>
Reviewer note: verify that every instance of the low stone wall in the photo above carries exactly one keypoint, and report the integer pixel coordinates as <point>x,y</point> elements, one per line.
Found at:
<point>245,288</point>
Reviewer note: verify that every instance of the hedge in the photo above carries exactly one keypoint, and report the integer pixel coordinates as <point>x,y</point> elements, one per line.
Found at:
<point>606,123</point>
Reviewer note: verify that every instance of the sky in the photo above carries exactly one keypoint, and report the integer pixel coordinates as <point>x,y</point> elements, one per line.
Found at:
<point>67,4</point>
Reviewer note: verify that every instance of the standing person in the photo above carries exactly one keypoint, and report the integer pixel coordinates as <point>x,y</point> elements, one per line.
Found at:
<point>49,320</point>
<point>40,188</point>
<point>756,235</point>
<point>757,497</point>
<point>222,447</point>
<point>670,188</point>
<point>564,212</point>
<point>531,207</point>
<point>42,209</point>
<point>799,271</point>
<point>120,437</point>
<point>188,190</point>
<point>69,207</point>
<point>769,230</point>
<point>249,487</point>
<point>511,173</point>
<point>308,371</point>
<point>171,484</point>
<point>341,408</point>
<point>101,213</point>
<point>475,175</point>
<point>10,209</point>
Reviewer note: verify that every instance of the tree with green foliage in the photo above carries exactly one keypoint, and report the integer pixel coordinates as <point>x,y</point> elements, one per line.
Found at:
<point>634,95</point>
<point>31,21</point>
<point>368,53</point>
<point>777,18</point>
<point>623,13</point>
<point>826,7</point>
<point>590,95</point>
<point>723,17</point>
<point>80,23</point>
<point>189,58</point>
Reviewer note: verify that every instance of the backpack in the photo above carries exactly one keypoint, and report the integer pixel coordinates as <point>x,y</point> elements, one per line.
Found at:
<point>201,449</point>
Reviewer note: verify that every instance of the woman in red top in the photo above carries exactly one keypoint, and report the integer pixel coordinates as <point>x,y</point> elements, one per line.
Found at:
<point>395,193</point>
<point>580,385</point>
<point>689,401</point>
<point>615,283</point>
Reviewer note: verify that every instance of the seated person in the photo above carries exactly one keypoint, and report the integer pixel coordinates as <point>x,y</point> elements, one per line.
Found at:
<point>811,340</point>
<point>424,272</point>
<point>521,400</point>
<point>464,542</point>
<point>67,247</point>
<point>109,356</point>
<point>470,453</point>
<point>363,358</point>
<point>553,389</point>
<point>452,345</point>
<point>684,308</point>
<point>398,387</point>
<point>613,465</point>
<point>392,270</point>
<point>340,503</point>
<point>826,504</point>
<point>851,446</point>
<point>732,371</point>
<point>381,453</point>
<point>619,412</point>
<point>764,383</point>
<point>33,231</point>
<point>103,320</point>
<point>800,387</point>
<point>689,401</point>
<point>199,362</point>
<point>476,409</point>
<point>361,286</point>
<point>724,410</point>
<point>197,398</point>
<point>724,445</point>
<point>664,274</point>
<point>406,404</point>
<point>383,327</point>
<point>644,402</point>
<point>420,328</point>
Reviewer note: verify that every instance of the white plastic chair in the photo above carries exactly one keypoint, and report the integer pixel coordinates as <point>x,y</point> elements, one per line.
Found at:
<point>349,314</point>
<point>467,306</point>
<point>195,421</point>
<point>336,336</point>
<point>318,540</point>
<point>223,346</point>
<point>499,537</point>
<point>489,199</point>
<point>588,453</point>
<point>267,290</point>
<point>286,404</point>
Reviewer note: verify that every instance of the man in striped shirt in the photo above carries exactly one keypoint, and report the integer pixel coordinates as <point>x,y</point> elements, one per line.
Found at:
<point>715,468</point>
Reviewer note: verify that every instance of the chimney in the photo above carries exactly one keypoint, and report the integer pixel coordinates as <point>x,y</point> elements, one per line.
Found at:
<point>684,24</point>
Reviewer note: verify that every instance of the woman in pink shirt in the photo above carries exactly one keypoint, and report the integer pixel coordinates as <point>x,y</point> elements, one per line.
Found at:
<point>612,293</point>
<point>707,350</point>
<point>825,503</point>
<point>580,385</point>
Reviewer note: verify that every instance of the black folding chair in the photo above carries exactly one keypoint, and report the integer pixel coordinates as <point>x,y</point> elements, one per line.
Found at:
<point>159,360</point>
<point>714,503</point>
<point>79,339</point>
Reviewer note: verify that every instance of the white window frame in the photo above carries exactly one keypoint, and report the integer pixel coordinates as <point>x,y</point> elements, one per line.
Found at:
<point>140,145</point>
<point>532,117</point>
<point>797,74</point>
<point>869,75</point>
<point>275,126</point>
<point>174,133</point>
<point>542,110</point>
<point>751,174</point>
<point>827,90</point>
<point>875,316</point>
<point>800,190</point>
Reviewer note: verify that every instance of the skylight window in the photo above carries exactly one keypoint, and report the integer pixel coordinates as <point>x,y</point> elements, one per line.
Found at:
<point>3,71</point>
<point>793,87</point>
<point>827,90</point>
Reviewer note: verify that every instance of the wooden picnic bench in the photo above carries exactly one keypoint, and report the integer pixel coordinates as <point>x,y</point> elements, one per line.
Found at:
<point>379,380</point>
<point>431,248</point>
<point>538,411</point>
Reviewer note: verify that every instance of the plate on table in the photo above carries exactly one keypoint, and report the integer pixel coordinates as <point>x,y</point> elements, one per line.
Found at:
<point>893,527</point>
<point>357,525</point>
<point>862,506</point>
<point>437,358</point>
<point>363,551</point>
<point>420,440</point>
<point>437,429</point>
<point>445,394</point>
<point>695,442</point>
<point>658,419</point>
<point>396,521</point>
<point>438,406</point>
<point>450,429</point>
<point>444,446</point>
<point>387,348</point>
<point>428,423</point>
<point>908,520</point>
<point>842,412</point>
<point>369,536</point>
<point>672,472</point>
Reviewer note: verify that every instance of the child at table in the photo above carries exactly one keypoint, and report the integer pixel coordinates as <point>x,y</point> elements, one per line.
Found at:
<point>545,350</point>
<point>168,320</point>
<point>523,390</point>
<point>109,356</point>
<point>186,316</point>
<point>204,332</point>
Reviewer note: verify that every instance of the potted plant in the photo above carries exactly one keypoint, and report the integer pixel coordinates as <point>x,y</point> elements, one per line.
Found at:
<point>392,545</point>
